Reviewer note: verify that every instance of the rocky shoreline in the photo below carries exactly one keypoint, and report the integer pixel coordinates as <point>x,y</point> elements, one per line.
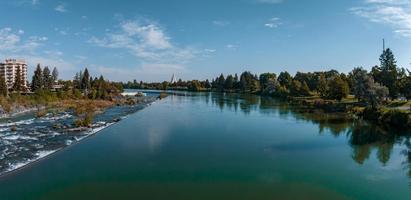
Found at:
<point>28,139</point>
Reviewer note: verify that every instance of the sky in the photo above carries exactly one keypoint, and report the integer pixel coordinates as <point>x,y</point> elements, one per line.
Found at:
<point>150,40</point>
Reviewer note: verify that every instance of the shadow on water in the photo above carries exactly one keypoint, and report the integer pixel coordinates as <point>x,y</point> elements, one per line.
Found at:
<point>363,137</point>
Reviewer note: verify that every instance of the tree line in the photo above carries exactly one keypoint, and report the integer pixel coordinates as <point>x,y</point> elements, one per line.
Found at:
<point>45,83</point>
<point>384,81</point>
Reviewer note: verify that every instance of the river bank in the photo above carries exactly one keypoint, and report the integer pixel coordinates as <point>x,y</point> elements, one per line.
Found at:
<point>28,138</point>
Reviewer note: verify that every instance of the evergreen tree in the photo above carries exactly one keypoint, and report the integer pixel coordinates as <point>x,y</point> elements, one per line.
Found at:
<point>3,87</point>
<point>387,73</point>
<point>55,75</point>
<point>220,83</point>
<point>207,84</point>
<point>37,80</point>
<point>47,79</point>
<point>18,81</point>
<point>77,81</point>
<point>229,82</point>
<point>85,81</point>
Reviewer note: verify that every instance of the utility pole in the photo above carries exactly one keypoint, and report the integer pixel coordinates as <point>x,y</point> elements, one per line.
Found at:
<point>383,45</point>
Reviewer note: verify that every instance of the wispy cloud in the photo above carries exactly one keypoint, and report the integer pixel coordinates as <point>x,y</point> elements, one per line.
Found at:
<point>61,8</point>
<point>394,13</point>
<point>231,46</point>
<point>11,41</point>
<point>273,23</point>
<point>35,2</point>
<point>15,44</point>
<point>221,23</point>
<point>147,41</point>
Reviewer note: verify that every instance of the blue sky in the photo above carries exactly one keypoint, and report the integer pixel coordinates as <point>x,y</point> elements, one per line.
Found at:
<point>196,39</point>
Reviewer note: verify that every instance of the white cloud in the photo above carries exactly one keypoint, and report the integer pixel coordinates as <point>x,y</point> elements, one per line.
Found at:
<point>273,23</point>
<point>61,8</point>
<point>148,42</point>
<point>35,2</point>
<point>13,44</point>
<point>210,50</point>
<point>396,14</point>
<point>8,39</point>
<point>84,17</point>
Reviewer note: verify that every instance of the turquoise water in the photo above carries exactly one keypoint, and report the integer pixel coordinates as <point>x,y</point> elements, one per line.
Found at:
<point>209,146</point>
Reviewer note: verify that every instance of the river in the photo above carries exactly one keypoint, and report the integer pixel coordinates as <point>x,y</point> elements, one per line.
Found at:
<point>213,146</point>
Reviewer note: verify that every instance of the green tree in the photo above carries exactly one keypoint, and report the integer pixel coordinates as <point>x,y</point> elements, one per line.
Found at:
<point>85,81</point>
<point>322,85</point>
<point>337,88</point>
<point>284,78</point>
<point>249,82</point>
<point>37,80</point>
<point>55,75</point>
<point>268,82</point>
<point>164,85</point>
<point>47,79</point>
<point>18,81</point>
<point>229,82</point>
<point>304,90</point>
<point>220,83</point>
<point>194,85</point>
<point>295,88</point>
<point>387,73</point>
<point>207,84</point>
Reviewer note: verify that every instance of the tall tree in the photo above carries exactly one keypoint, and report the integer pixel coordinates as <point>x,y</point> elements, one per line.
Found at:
<point>229,82</point>
<point>85,81</point>
<point>18,81</point>
<point>55,74</point>
<point>220,82</point>
<point>77,81</point>
<point>387,73</point>
<point>37,80</point>
<point>47,79</point>
<point>207,84</point>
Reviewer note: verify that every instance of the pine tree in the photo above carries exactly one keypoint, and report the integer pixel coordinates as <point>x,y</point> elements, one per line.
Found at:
<point>387,73</point>
<point>3,86</point>
<point>76,81</point>
<point>37,80</point>
<point>85,81</point>
<point>55,75</point>
<point>18,81</point>
<point>220,82</point>
<point>47,79</point>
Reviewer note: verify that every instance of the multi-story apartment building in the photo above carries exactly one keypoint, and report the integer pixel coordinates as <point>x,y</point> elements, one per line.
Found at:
<point>8,70</point>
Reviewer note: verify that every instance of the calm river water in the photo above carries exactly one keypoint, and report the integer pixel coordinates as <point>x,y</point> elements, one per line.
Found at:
<point>210,146</point>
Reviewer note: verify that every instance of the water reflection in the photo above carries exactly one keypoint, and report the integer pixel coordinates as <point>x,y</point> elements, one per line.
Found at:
<point>363,137</point>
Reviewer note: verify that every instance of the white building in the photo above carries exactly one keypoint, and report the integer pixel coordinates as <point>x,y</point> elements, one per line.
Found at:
<point>8,70</point>
<point>173,79</point>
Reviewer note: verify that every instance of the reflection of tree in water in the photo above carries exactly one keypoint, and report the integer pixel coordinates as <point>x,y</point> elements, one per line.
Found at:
<point>363,137</point>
